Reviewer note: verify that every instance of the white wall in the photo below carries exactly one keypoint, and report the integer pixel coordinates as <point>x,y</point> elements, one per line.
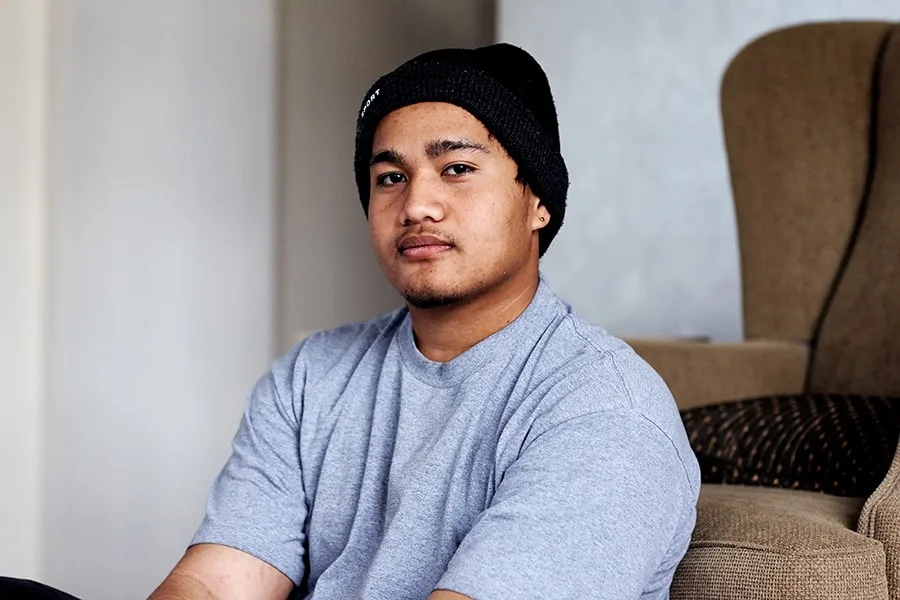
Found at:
<point>649,244</point>
<point>332,52</point>
<point>23,46</point>
<point>162,298</point>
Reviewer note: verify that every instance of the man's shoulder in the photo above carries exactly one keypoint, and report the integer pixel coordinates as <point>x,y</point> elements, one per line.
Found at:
<point>319,352</point>
<point>601,374</point>
<point>605,364</point>
<point>338,339</point>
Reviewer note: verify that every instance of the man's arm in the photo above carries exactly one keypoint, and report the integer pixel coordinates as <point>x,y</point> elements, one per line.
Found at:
<point>214,572</point>
<point>250,544</point>
<point>598,506</point>
<point>447,595</point>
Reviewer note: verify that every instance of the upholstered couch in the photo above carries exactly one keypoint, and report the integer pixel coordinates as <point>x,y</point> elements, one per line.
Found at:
<point>811,118</point>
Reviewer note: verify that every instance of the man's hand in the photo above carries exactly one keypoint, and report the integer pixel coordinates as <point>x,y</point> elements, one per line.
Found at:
<point>214,572</point>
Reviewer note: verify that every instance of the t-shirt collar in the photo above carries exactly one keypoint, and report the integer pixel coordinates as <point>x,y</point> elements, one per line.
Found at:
<point>544,307</point>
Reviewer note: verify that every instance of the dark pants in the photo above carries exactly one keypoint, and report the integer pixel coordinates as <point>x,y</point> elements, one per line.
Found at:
<point>22,589</point>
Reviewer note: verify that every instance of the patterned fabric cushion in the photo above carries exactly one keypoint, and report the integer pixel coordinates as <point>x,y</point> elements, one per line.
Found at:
<point>837,444</point>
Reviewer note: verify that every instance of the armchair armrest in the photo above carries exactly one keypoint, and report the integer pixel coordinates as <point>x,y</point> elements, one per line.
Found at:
<point>880,520</point>
<point>704,373</point>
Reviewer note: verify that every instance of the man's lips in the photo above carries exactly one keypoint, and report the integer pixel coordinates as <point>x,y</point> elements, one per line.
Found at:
<point>422,246</point>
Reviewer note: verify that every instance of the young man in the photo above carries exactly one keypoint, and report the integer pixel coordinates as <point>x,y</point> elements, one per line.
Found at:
<point>483,441</point>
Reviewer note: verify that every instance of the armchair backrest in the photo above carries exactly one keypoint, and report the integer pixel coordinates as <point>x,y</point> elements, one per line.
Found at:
<point>811,118</point>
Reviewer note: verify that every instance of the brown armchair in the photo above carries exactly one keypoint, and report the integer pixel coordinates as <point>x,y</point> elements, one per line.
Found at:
<point>811,118</point>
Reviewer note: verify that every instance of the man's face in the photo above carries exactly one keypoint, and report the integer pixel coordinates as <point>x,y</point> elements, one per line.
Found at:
<point>448,220</point>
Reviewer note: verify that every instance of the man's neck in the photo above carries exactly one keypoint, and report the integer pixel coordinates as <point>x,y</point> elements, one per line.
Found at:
<point>445,332</point>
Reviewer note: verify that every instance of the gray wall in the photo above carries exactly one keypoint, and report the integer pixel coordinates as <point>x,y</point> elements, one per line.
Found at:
<point>22,280</point>
<point>161,312</point>
<point>332,52</point>
<point>649,245</point>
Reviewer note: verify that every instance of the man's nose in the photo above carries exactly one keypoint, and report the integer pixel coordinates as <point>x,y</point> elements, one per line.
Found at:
<point>424,201</point>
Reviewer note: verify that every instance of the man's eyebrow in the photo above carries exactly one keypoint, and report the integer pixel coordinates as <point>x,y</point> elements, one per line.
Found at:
<point>388,156</point>
<point>438,148</point>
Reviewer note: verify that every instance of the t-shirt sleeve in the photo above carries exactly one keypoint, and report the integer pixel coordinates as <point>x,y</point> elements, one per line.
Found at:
<point>599,506</point>
<point>257,503</point>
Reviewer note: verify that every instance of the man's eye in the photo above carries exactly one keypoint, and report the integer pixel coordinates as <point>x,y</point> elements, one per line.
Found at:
<point>458,170</point>
<point>390,178</point>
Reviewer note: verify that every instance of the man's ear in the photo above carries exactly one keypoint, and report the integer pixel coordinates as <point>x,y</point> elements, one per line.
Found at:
<point>540,216</point>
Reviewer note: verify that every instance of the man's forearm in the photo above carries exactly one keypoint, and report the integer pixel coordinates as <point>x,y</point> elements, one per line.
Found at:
<point>446,595</point>
<point>180,585</point>
<point>215,572</point>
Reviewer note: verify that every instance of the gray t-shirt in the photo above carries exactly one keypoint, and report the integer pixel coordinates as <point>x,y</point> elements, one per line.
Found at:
<point>548,461</point>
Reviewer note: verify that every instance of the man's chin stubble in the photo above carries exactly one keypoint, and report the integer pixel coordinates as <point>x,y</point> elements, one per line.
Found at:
<point>424,301</point>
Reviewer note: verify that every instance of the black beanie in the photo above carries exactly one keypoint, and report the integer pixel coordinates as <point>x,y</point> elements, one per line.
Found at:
<point>502,86</point>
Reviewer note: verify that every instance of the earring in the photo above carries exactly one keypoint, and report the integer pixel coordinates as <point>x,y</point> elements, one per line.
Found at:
<point>542,219</point>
